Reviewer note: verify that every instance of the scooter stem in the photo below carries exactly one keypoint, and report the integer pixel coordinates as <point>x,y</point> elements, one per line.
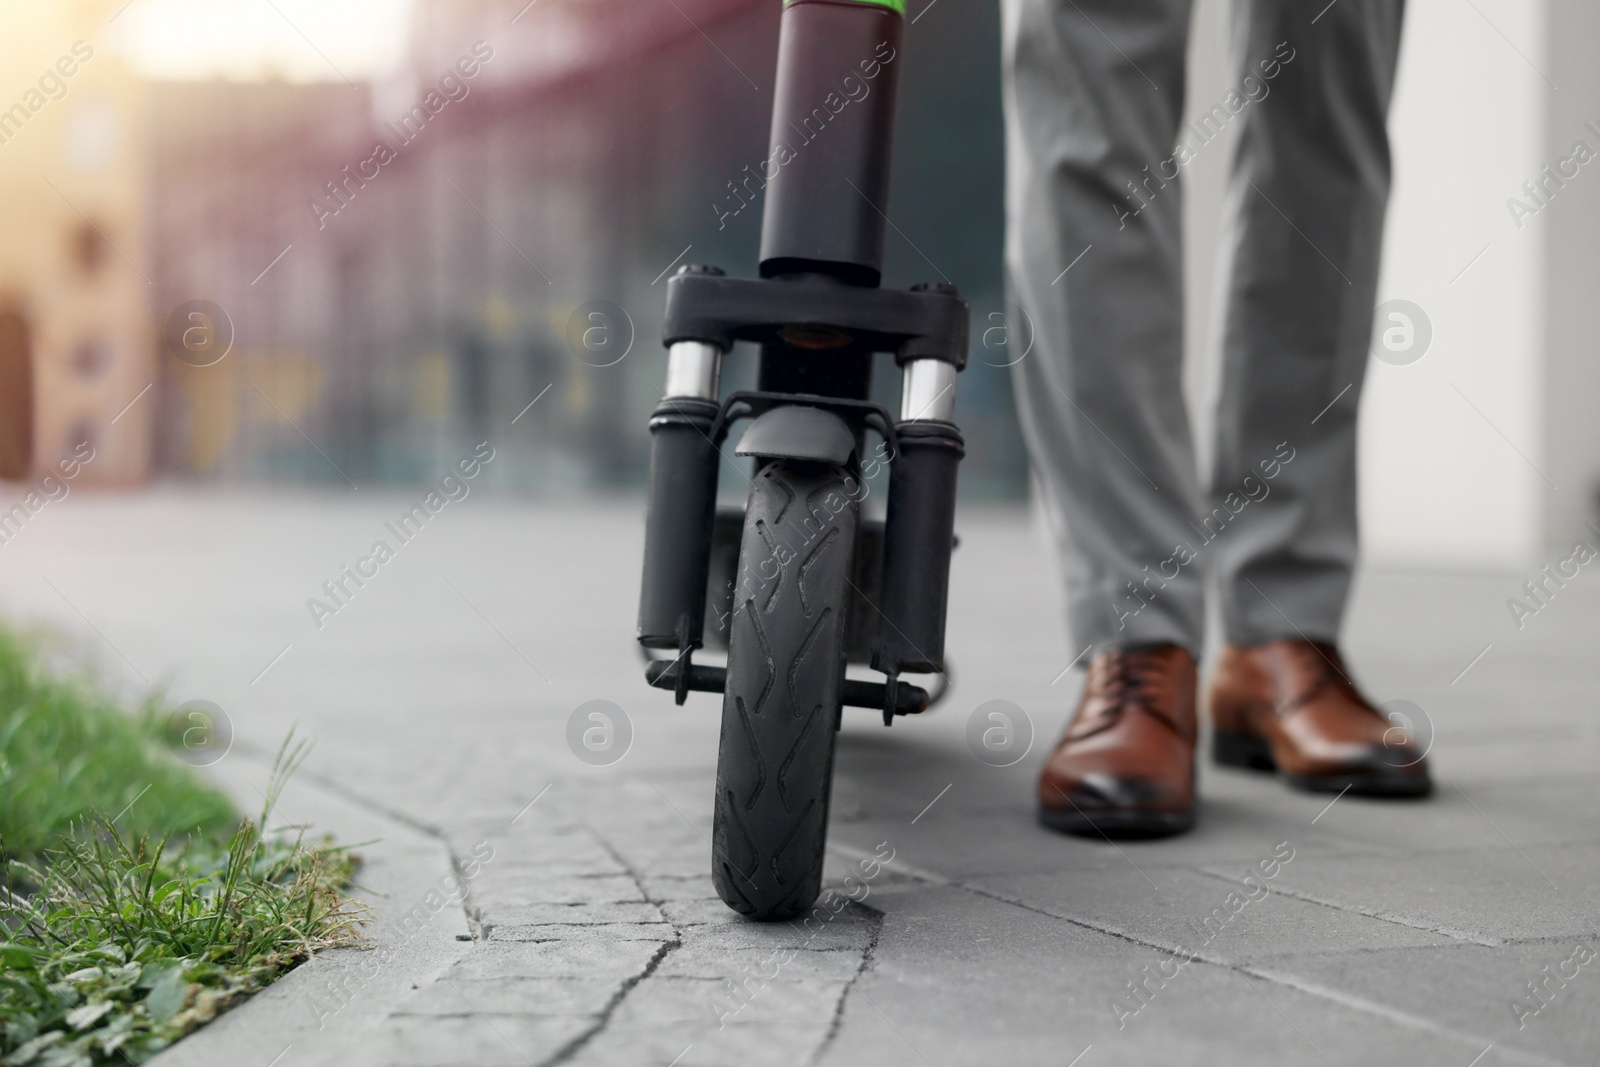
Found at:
<point>827,168</point>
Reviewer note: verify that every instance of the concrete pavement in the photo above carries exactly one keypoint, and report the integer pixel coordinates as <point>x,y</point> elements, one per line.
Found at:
<point>959,932</point>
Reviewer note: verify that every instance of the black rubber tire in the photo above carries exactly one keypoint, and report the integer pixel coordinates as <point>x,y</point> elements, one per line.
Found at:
<point>786,660</point>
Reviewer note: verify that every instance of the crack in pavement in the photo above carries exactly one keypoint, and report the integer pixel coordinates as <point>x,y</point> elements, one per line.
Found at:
<point>1371,913</point>
<point>683,933</point>
<point>603,1019</point>
<point>867,958</point>
<point>471,910</point>
<point>566,1052</point>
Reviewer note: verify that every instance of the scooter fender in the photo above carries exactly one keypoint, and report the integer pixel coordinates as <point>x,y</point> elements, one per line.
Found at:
<point>795,431</point>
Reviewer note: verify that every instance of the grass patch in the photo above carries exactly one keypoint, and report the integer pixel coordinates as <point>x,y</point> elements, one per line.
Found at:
<point>68,752</point>
<point>137,904</point>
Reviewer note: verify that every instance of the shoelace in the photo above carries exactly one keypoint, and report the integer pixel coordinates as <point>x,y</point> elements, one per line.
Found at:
<point>1328,668</point>
<point>1132,682</point>
<point>1131,673</point>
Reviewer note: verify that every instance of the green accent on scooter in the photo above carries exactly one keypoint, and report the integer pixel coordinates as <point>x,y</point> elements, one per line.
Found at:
<point>897,6</point>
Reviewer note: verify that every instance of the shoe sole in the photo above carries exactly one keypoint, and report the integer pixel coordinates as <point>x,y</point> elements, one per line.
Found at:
<point>1254,754</point>
<point>1123,824</point>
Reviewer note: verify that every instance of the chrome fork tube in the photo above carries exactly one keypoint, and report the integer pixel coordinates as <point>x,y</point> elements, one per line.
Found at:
<point>928,391</point>
<point>694,368</point>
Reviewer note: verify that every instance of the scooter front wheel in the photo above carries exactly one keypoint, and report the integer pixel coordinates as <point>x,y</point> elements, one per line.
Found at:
<point>786,660</point>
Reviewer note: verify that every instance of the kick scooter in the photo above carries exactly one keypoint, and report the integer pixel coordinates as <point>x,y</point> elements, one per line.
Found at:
<point>797,584</point>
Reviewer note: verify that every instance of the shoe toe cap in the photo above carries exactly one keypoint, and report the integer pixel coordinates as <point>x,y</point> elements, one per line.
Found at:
<point>1092,791</point>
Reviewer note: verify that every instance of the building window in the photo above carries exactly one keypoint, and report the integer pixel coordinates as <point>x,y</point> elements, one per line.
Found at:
<point>90,358</point>
<point>82,433</point>
<point>89,248</point>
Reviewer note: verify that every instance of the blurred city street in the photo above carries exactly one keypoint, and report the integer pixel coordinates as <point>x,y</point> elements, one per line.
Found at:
<point>1453,931</point>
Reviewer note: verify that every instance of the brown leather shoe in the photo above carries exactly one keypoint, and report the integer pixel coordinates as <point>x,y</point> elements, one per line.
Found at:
<point>1290,706</point>
<point>1125,766</point>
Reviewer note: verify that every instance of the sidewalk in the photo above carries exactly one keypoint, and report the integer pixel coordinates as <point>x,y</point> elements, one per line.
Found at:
<point>440,694</point>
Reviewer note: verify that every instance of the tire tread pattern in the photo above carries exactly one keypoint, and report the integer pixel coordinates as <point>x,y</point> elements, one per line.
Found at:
<point>775,762</point>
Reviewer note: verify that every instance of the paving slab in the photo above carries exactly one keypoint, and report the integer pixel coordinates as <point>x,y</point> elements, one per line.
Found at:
<point>1537,997</point>
<point>1498,891</point>
<point>943,990</point>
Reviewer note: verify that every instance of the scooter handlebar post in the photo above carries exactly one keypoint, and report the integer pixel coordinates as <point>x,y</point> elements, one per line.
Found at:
<point>826,175</point>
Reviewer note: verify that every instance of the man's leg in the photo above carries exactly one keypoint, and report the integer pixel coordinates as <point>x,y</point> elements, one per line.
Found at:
<point>1307,199</point>
<point>1094,91</point>
<point>1306,205</point>
<point>1093,97</point>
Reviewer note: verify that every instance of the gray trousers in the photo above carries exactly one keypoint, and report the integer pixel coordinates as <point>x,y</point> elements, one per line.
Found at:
<point>1094,94</point>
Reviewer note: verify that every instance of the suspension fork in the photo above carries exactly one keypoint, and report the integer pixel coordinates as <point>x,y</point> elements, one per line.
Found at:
<point>826,182</point>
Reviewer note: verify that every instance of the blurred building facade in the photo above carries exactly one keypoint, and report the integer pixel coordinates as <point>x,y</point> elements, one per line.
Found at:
<point>404,267</point>
<point>75,341</point>
<point>382,315</point>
